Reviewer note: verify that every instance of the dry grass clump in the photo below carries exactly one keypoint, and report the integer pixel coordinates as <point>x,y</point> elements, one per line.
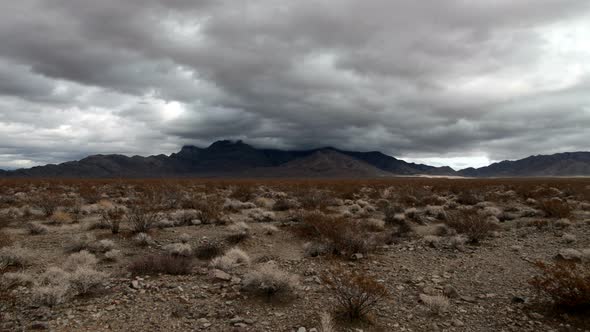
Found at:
<point>470,223</point>
<point>326,323</point>
<point>239,231</point>
<point>269,229</point>
<point>565,284</point>
<point>60,218</point>
<point>112,255</point>
<point>467,198</point>
<point>161,263</point>
<point>436,304</point>
<point>356,293</point>
<point>78,277</point>
<point>555,208</point>
<point>15,256</point>
<point>284,204</point>
<point>269,280</point>
<point>35,228</point>
<point>232,258</point>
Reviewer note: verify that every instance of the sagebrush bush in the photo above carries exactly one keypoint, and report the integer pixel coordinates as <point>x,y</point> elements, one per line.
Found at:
<point>53,276</point>
<point>167,264</point>
<point>112,255</point>
<point>80,259</point>
<point>564,284</point>
<point>86,279</point>
<point>14,279</point>
<point>269,280</point>
<point>470,223</point>
<point>15,256</point>
<point>50,295</point>
<point>356,293</point>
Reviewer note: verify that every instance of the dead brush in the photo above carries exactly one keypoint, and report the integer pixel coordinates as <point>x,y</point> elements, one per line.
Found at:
<point>243,193</point>
<point>112,217</point>
<point>356,293</point>
<point>344,236</point>
<point>555,208</point>
<point>141,218</point>
<point>210,210</point>
<point>161,263</point>
<point>565,284</point>
<point>470,223</point>
<point>47,203</point>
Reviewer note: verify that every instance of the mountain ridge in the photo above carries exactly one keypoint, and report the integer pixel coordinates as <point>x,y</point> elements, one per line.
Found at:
<point>226,158</point>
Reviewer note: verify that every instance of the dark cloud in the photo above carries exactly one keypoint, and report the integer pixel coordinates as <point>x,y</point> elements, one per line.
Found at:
<point>425,80</point>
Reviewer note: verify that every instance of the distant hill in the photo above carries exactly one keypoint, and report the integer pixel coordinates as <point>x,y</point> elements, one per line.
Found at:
<point>236,158</point>
<point>560,164</point>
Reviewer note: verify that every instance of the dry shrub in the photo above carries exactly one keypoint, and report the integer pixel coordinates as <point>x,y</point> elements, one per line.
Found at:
<point>167,264</point>
<point>314,199</point>
<point>80,242</point>
<point>209,251</point>
<point>14,279</point>
<point>242,193</point>
<point>555,208</point>
<point>356,293</point>
<point>47,203</point>
<point>231,259</point>
<point>112,217</point>
<point>34,228</point>
<point>269,280</point>
<point>85,280</point>
<point>141,218</point>
<point>60,217</point>
<point>436,304</point>
<point>210,210</point>
<point>344,236</point>
<point>179,249</point>
<point>470,223</point>
<point>467,198</point>
<point>143,239</point>
<point>284,204</point>
<point>15,256</point>
<point>565,284</point>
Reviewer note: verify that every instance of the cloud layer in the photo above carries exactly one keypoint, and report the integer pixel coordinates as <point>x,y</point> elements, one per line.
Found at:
<point>458,82</point>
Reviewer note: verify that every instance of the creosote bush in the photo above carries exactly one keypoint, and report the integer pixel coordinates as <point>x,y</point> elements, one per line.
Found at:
<point>161,263</point>
<point>470,223</point>
<point>356,293</point>
<point>141,218</point>
<point>565,284</point>
<point>342,235</point>
<point>112,217</point>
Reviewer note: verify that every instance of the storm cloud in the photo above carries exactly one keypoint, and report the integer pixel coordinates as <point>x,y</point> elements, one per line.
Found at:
<point>444,82</point>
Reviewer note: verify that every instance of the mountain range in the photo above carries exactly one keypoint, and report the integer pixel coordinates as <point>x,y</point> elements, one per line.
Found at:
<point>237,159</point>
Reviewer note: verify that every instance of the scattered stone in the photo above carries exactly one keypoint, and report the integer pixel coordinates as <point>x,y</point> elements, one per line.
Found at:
<point>220,275</point>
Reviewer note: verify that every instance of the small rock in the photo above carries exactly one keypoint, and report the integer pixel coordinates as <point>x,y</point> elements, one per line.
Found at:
<point>39,326</point>
<point>450,292</point>
<point>458,323</point>
<point>357,256</point>
<point>220,275</point>
<point>302,329</point>
<point>135,284</point>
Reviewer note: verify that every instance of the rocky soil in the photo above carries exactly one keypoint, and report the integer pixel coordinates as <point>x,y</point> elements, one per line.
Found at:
<point>486,283</point>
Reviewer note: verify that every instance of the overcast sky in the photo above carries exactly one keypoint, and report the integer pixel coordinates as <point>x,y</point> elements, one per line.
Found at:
<point>451,82</point>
